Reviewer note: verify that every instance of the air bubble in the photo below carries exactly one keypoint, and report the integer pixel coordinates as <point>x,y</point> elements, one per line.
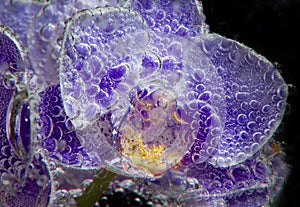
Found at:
<point>254,104</point>
<point>282,91</point>
<point>241,96</point>
<point>83,49</point>
<point>268,76</point>
<point>251,125</point>
<point>266,108</point>
<point>47,31</point>
<point>242,118</point>
<point>119,192</point>
<point>198,75</point>
<point>197,158</point>
<point>160,15</point>
<point>9,82</point>
<point>85,184</point>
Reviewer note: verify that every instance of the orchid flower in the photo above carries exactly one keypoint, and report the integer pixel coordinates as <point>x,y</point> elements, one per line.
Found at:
<point>139,95</point>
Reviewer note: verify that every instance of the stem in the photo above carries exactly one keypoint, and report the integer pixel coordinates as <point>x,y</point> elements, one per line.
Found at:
<point>100,183</point>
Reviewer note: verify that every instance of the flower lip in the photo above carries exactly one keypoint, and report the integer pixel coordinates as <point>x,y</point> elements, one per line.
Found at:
<point>150,129</point>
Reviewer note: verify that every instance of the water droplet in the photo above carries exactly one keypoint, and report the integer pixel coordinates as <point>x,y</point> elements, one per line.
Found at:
<point>151,63</point>
<point>175,49</point>
<point>281,105</point>
<point>19,125</point>
<point>244,135</point>
<point>261,170</point>
<point>197,158</point>
<point>169,63</point>
<point>198,75</point>
<point>42,180</point>
<point>160,15</point>
<point>205,96</point>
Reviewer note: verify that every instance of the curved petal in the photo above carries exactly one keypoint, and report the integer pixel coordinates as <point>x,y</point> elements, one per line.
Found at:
<point>255,98</point>
<point>45,34</point>
<point>256,181</point>
<point>96,56</point>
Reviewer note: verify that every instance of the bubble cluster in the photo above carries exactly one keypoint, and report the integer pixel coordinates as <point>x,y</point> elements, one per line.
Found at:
<point>253,90</point>
<point>56,132</point>
<point>49,24</point>
<point>183,18</point>
<point>94,82</point>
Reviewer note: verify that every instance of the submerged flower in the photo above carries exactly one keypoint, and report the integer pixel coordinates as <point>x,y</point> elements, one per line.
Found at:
<point>142,89</point>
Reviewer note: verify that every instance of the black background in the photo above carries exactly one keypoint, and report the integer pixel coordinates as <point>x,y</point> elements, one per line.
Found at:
<point>271,28</point>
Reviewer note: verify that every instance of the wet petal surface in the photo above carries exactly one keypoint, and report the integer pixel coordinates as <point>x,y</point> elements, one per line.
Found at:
<point>142,89</point>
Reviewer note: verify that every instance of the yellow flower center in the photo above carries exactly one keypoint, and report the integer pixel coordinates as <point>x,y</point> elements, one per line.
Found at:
<point>150,134</point>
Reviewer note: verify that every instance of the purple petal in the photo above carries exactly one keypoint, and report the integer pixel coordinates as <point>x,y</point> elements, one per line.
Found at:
<point>90,77</point>
<point>45,34</point>
<point>255,98</point>
<point>253,182</point>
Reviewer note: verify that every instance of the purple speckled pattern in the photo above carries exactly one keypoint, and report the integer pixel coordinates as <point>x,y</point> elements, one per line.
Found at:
<point>141,88</point>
